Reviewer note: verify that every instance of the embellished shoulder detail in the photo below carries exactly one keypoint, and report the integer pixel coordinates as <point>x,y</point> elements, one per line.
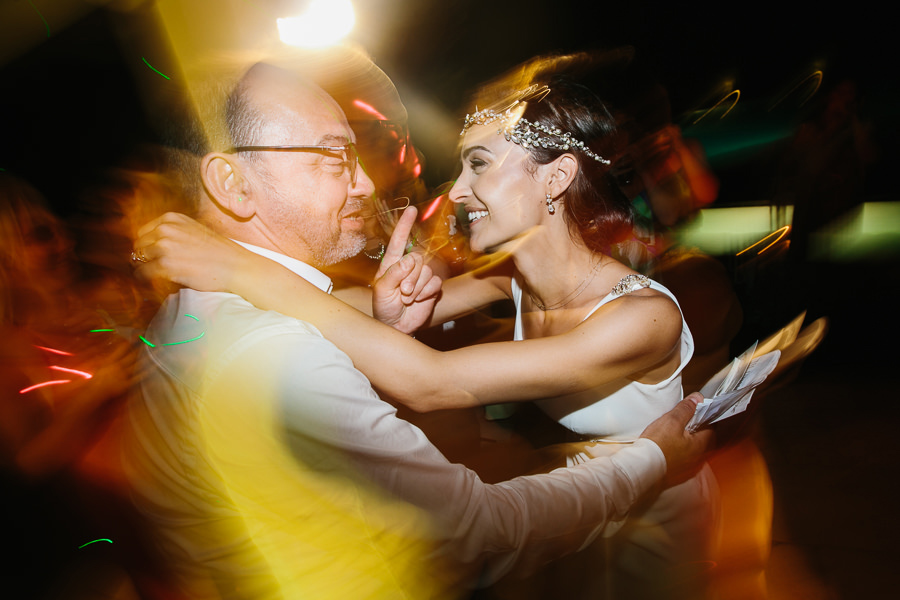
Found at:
<point>630,283</point>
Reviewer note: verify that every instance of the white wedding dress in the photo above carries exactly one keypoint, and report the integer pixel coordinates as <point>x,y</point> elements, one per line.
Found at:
<point>665,549</point>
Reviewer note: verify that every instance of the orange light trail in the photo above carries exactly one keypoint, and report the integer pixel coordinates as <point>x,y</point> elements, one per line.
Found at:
<point>784,230</point>
<point>737,96</point>
<point>817,74</point>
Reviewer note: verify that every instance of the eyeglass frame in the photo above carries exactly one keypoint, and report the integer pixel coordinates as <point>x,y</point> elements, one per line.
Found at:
<point>349,149</point>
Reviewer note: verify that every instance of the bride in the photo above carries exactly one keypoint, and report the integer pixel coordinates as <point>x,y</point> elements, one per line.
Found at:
<point>598,346</point>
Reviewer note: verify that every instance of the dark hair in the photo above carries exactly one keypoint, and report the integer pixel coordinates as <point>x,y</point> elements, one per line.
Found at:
<point>595,210</point>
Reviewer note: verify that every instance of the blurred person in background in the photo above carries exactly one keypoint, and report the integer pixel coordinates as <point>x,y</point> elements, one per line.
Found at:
<point>605,345</point>
<point>64,373</point>
<point>668,181</point>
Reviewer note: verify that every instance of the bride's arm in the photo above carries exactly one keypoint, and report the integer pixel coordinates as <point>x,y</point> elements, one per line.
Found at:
<point>629,336</point>
<point>623,338</point>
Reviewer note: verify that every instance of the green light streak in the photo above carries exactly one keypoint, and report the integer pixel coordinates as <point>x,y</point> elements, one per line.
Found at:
<point>151,66</point>
<point>100,330</point>
<point>91,542</point>
<point>47,25</point>
<point>194,339</point>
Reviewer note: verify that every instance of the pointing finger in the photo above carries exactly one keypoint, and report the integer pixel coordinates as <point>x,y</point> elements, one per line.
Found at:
<point>396,247</point>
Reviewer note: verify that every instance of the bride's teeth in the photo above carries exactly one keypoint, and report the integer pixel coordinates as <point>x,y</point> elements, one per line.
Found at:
<point>475,215</point>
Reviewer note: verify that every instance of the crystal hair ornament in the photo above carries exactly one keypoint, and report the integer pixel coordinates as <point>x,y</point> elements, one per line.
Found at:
<point>526,133</point>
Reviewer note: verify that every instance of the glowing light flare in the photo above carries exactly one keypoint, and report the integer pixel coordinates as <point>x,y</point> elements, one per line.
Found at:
<point>369,109</point>
<point>781,232</point>
<point>402,157</point>
<point>417,170</point>
<point>737,96</point>
<point>324,22</point>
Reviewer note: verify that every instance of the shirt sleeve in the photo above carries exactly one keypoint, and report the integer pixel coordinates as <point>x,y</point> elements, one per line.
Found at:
<point>329,406</point>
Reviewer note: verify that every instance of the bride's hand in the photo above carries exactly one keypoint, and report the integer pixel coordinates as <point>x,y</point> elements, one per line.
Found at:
<point>176,248</point>
<point>405,288</point>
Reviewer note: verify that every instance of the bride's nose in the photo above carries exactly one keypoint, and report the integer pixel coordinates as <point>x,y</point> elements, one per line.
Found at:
<point>459,191</point>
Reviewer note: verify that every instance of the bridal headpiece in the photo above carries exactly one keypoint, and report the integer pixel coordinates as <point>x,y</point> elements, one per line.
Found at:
<point>527,133</point>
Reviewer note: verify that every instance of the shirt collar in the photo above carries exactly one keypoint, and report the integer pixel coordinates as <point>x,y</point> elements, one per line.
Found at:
<point>310,274</point>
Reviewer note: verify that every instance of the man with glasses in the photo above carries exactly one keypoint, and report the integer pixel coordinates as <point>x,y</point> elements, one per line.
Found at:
<point>268,465</point>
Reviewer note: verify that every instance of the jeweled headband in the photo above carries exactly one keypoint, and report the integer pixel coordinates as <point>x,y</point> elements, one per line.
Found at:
<point>527,133</point>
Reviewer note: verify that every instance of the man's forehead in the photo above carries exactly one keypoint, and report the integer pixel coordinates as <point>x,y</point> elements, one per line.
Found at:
<point>293,103</point>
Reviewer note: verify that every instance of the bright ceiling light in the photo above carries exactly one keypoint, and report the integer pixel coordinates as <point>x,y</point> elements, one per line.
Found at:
<point>324,22</point>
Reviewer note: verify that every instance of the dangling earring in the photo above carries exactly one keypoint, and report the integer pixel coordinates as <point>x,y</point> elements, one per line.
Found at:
<point>550,208</point>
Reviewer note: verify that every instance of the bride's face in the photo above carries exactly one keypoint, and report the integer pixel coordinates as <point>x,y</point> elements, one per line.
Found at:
<point>498,188</point>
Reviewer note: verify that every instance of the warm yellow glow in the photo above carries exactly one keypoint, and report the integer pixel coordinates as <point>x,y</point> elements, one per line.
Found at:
<point>324,22</point>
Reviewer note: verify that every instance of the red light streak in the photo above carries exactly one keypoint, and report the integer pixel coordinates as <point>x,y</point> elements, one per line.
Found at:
<point>54,351</point>
<point>43,384</point>
<point>369,109</point>
<point>431,208</point>
<point>84,374</point>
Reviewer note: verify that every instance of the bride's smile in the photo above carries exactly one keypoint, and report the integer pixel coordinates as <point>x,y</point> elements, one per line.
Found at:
<point>499,189</point>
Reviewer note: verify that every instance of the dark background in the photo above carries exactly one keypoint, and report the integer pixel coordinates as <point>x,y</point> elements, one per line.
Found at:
<point>70,106</point>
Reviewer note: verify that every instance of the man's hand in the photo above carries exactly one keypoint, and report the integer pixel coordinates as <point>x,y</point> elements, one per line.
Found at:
<point>683,450</point>
<point>405,288</point>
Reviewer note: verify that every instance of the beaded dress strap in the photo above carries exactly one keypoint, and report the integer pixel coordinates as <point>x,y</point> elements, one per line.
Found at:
<point>626,285</point>
<point>630,283</point>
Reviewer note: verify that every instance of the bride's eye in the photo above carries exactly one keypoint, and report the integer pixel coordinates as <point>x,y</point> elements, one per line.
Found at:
<point>476,164</point>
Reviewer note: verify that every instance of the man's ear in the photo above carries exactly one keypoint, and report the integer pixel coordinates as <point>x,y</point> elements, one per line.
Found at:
<point>223,178</point>
<point>561,174</point>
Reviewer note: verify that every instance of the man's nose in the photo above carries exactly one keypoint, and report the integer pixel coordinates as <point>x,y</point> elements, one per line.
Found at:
<point>363,185</point>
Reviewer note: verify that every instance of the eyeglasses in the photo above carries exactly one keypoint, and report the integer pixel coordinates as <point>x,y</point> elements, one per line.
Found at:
<point>347,151</point>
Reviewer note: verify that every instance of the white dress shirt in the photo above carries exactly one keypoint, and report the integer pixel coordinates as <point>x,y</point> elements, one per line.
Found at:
<point>270,468</point>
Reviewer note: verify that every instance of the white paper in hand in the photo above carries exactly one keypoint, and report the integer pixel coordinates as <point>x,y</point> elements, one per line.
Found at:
<point>729,391</point>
